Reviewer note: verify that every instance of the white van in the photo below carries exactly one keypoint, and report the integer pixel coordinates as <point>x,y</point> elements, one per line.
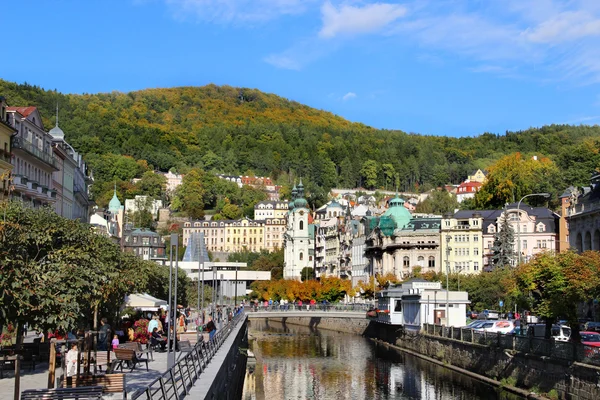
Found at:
<point>501,326</point>
<point>561,333</point>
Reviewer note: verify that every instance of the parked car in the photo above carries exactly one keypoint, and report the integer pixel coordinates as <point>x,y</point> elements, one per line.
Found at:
<point>592,342</point>
<point>489,314</point>
<point>561,333</point>
<point>592,327</point>
<point>475,324</point>
<point>502,326</point>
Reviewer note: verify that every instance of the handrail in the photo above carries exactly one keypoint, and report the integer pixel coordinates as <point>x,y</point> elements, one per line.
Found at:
<point>311,307</point>
<point>569,350</point>
<point>177,381</point>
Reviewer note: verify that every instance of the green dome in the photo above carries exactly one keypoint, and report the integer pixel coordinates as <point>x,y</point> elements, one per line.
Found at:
<point>398,213</point>
<point>301,203</point>
<point>114,205</point>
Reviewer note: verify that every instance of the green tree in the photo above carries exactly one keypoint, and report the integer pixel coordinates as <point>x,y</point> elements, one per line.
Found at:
<point>190,194</point>
<point>438,202</point>
<point>503,253</point>
<point>142,217</point>
<point>307,273</point>
<point>555,284</point>
<point>369,171</point>
<point>152,184</point>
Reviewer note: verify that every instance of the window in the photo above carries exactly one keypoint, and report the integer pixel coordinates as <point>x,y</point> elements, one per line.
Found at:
<point>476,266</point>
<point>398,306</point>
<point>431,262</point>
<point>539,244</point>
<point>524,244</point>
<point>405,261</point>
<point>301,256</point>
<point>421,261</point>
<point>475,251</point>
<point>301,225</point>
<point>475,238</point>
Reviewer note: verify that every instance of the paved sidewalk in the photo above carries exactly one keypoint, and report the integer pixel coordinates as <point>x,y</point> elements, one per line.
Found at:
<point>135,380</point>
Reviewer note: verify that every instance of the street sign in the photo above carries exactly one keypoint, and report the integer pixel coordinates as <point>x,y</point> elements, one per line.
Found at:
<point>501,303</point>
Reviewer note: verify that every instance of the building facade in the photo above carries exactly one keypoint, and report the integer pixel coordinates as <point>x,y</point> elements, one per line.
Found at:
<point>143,243</point>
<point>274,229</point>
<point>270,209</point>
<point>299,237</point>
<point>535,230</point>
<point>461,242</point>
<point>6,132</point>
<point>584,217</point>
<point>33,161</point>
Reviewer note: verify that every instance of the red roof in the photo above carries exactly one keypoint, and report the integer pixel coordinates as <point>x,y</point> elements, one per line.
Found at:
<point>24,111</point>
<point>469,187</point>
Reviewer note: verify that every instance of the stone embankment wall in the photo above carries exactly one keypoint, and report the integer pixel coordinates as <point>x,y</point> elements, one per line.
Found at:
<point>347,325</point>
<point>565,380</point>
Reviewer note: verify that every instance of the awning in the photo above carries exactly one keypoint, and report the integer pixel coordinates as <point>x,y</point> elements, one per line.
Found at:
<point>145,302</point>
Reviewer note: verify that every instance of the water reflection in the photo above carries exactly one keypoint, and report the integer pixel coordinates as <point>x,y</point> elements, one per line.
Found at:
<point>294,362</point>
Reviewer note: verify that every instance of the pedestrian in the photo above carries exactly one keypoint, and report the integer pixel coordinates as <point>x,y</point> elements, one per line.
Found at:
<point>152,324</point>
<point>181,324</point>
<point>71,360</point>
<point>211,328</point>
<point>115,342</point>
<point>103,335</point>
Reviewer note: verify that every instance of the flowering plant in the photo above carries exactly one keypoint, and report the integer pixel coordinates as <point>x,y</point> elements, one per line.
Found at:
<point>6,338</point>
<point>140,333</point>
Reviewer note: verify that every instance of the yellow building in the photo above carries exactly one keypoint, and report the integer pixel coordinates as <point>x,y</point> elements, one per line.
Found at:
<point>6,131</point>
<point>478,176</point>
<point>461,242</point>
<point>274,230</point>
<point>244,235</point>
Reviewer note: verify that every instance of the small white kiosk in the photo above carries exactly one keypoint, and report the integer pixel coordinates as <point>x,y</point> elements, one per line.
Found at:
<point>418,301</point>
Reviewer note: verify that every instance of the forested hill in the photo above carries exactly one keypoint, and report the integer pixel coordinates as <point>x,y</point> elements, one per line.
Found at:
<point>237,131</point>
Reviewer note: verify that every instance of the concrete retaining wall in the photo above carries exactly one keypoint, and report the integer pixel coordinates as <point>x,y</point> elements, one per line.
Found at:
<point>542,374</point>
<point>338,324</point>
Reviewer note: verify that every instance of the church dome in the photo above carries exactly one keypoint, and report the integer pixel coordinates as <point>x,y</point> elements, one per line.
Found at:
<point>398,213</point>
<point>114,205</point>
<point>57,133</point>
<point>301,203</point>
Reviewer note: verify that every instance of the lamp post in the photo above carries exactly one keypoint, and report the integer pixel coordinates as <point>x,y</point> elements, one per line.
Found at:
<point>447,274</point>
<point>546,195</point>
<point>172,336</point>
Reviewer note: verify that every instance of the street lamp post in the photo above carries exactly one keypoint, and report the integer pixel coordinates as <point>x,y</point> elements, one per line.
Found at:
<point>447,274</point>
<point>546,195</point>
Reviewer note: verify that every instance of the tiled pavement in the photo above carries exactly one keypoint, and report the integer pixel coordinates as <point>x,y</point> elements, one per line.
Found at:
<point>38,379</point>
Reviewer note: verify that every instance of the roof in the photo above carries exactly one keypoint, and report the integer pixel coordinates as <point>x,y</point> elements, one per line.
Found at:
<point>142,231</point>
<point>423,224</point>
<point>470,184</point>
<point>24,111</point>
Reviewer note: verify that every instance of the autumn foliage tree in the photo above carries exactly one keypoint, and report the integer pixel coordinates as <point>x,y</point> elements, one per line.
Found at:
<point>555,284</point>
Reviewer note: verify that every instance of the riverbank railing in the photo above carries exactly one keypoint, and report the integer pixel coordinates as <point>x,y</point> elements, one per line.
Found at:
<point>178,380</point>
<point>570,350</point>
<point>311,307</point>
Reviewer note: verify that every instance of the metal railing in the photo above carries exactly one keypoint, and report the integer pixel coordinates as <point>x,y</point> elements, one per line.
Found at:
<point>570,351</point>
<point>20,143</point>
<point>178,380</point>
<point>312,307</point>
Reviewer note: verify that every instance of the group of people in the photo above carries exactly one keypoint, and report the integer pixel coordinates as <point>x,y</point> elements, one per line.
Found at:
<point>157,332</point>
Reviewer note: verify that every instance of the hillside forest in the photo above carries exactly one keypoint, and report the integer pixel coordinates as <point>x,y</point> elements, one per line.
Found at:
<point>238,131</point>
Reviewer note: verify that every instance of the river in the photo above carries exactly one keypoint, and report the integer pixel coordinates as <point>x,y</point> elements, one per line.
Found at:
<point>296,362</point>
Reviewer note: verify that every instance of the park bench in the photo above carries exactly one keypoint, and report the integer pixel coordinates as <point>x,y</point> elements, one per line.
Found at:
<point>137,347</point>
<point>110,383</point>
<point>78,393</point>
<point>128,356</point>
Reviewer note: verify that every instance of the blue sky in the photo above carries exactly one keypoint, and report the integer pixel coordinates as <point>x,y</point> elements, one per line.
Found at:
<point>441,67</point>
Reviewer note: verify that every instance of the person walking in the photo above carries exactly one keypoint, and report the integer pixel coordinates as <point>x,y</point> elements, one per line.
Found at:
<point>103,335</point>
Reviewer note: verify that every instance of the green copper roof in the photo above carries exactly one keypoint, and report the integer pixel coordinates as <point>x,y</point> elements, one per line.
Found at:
<point>400,215</point>
<point>114,205</point>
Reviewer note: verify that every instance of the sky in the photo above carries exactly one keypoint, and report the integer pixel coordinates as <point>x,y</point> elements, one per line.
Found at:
<point>436,67</point>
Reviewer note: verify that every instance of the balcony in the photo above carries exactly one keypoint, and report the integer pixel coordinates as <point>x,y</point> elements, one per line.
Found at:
<point>20,180</point>
<point>20,143</point>
<point>5,156</point>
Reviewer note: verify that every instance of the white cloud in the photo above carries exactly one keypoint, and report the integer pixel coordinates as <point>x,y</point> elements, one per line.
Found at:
<point>237,10</point>
<point>564,27</point>
<point>349,96</point>
<point>348,20</point>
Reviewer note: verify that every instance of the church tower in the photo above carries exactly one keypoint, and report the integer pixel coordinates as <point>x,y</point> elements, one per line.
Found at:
<point>299,240</point>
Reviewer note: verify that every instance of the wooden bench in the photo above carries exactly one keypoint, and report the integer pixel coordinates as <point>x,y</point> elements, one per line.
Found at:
<point>130,357</point>
<point>137,347</point>
<point>99,360</point>
<point>78,393</point>
<point>110,383</point>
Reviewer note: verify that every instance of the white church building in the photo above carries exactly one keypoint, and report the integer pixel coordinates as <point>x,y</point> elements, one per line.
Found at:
<point>299,236</point>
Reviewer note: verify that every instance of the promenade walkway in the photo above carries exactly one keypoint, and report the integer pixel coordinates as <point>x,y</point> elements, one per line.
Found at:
<point>135,380</point>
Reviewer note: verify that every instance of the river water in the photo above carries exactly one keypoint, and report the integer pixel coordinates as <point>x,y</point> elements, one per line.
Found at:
<point>296,362</point>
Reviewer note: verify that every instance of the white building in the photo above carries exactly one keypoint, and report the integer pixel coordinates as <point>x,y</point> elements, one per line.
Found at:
<point>173,181</point>
<point>138,202</point>
<point>270,209</point>
<point>418,302</point>
<point>299,236</point>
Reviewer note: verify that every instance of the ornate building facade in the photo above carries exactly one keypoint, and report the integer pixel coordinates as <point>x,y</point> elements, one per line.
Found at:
<point>583,217</point>
<point>299,236</point>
